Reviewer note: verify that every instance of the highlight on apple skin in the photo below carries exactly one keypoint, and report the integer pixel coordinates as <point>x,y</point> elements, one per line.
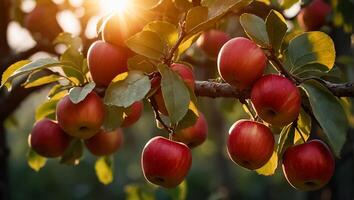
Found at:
<point>241,62</point>
<point>82,120</point>
<point>211,42</point>
<point>276,99</point>
<point>48,139</point>
<point>308,166</point>
<point>313,16</point>
<point>195,135</point>
<point>133,114</point>
<point>250,144</point>
<point>106,61</point>
<point>105,143</point>
<point>165,163</point>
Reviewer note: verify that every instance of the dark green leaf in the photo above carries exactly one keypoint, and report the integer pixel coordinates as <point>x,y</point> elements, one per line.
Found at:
<point>196,16</point>
<point>140,63</point>
<point>127,88</point>
<point>175,93</point>
<point>73,153</point>
<point>78,94</point>
<point>276,29</point>
<point>329,113</point>
<point>113,118</point>
<point>286,139</point>
<point>255,28</point>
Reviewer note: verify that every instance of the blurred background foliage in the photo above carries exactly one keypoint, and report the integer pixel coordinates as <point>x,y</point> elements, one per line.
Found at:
<point>213,175</point>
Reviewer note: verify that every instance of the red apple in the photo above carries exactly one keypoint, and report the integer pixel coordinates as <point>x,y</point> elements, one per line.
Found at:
<point>276,100</point>
<point>48,139</point>
<point>313,16</point>
<point>106,61</point>
<point>82,120</point>
<point>186,74</point>
<point>195,135</point>
<point>42,22</point>
<point>120,26</point>
<point>165,163</point>
<point>133,114</point>
<point>105,143</point>
<point>212,41</point>
<point>308,166</point>
<point>241,62</point>
<point>250,144</point>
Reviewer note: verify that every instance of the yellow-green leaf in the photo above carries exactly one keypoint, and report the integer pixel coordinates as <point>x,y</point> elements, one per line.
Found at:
<point>270,167</point>
<point>10,70</point>
<point>255,28</point>
<point>196,16</point>
<point>104,169</point>
<point>167,31</point>
<point>35,161</point>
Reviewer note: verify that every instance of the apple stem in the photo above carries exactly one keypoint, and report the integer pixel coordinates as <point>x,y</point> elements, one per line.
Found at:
<point>298,130</point>
<point>249,109</point>
<point>158,117</point>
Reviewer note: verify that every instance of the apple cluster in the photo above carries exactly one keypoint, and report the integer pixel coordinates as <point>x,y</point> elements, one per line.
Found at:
<point>277,102</point>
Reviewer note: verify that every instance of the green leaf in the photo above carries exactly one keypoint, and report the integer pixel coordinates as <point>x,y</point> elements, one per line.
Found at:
<point>286,4</point>
<point>329,113</point>
<point>104,169</point>
<point>56,89</point>
<point>255,28</point>
<point>276,29</point>
<point>148,44</point>
<point>127,88</point>
<point>270,167</point>
<point>140,63</point>
<point>47,109</point>
<point>308,48</point>
<point>311,70</point>
<point>5,80</point>
<point>192,114</point>
<point>78,94</point>
<point>69,40</point>
<point>74,58</point>
<point>38,78</point>
<point>73,153</point>
<point>286,139</point>
<point>304,125</point>
<point>167,31</point>
<point>141,192</point>
<point>180,192</point>
<point>113,118</point>
<point>196,16</point>
<point>175,93</point>
<point>35,161</point>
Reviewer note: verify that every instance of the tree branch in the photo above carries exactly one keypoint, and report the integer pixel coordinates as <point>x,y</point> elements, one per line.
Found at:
<point>214,90</point>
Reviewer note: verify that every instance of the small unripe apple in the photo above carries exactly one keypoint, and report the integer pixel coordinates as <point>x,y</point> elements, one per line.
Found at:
<point>195,135</point>
<point>186,74</point>
<point>212,41</point>
<point>105,143</point>
<point>120,26</point>
<point>133,114</point>
<point>42,22</point>
<point>241,62</point>
<point>250,144</point>
<point>313,16</point>
<point>48,139</point>
<point>82,120</point>
<point>165,163</point>
<point>308,166</point>
<point>106,61</point>
<point>276,99</point>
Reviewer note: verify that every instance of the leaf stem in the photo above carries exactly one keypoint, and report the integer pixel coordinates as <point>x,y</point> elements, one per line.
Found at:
<point>158,117</point>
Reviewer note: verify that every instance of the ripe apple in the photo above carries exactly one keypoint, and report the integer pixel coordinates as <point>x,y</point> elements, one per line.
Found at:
<point>42,22</point>
<point>120,26</point>
<point>195,135</point>
<point>133,114</point>
<point>313,16</point>
<point>105,143</point>
<point>82,120</point>
<point>106,61</point>
<point>241,62</point>
<point>308,166</point>
<point>48,139</point>
<point>165,162</point>
<point>250,144</point>
<point>186,74</point>
<point>276,100</point>
<point>212,41</point>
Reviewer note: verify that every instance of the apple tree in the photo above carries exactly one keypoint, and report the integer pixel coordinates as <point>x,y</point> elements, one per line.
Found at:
<point>165,55</point>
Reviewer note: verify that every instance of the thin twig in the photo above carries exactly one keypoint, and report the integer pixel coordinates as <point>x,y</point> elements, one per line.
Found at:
<point>157,115</point>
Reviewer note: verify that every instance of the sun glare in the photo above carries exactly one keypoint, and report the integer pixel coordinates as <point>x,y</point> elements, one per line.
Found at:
<point>108,6</point>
